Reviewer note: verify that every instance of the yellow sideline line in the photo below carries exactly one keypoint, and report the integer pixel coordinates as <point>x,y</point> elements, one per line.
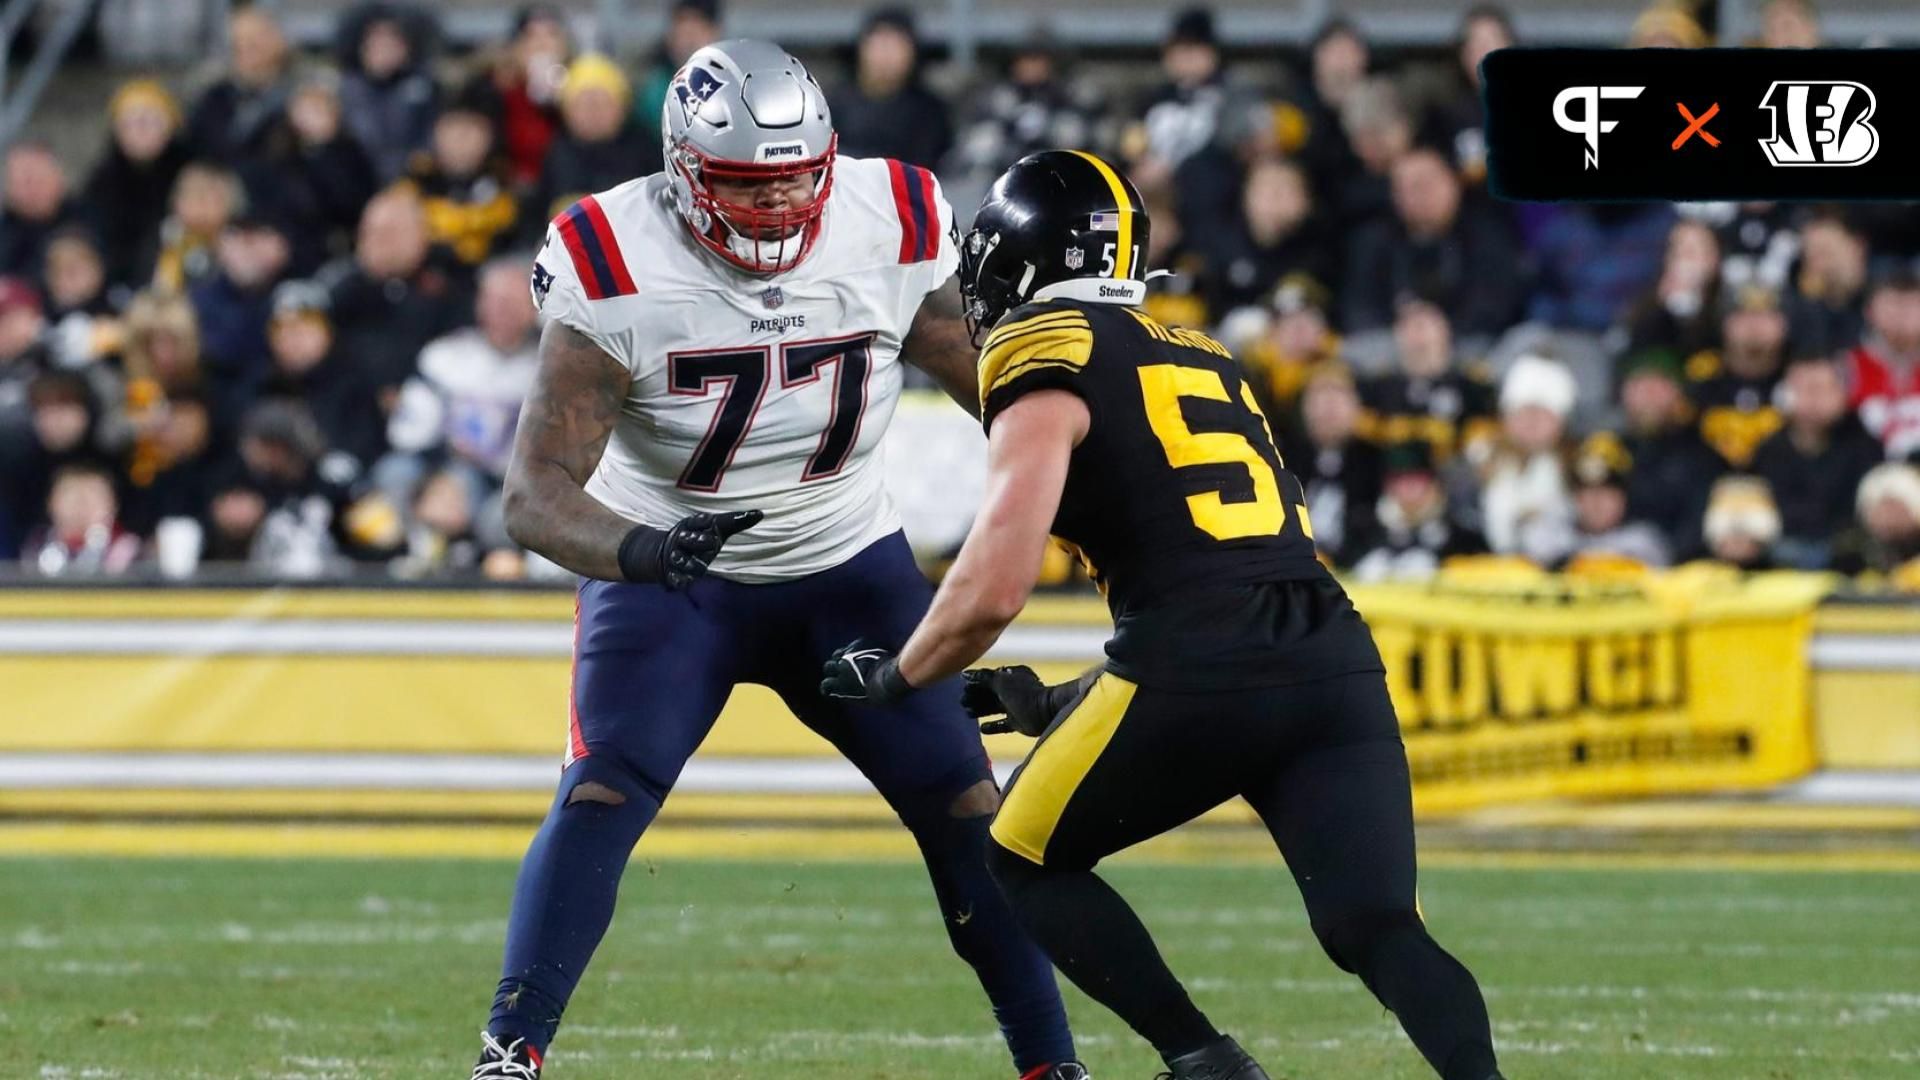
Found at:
<point>787,845</point>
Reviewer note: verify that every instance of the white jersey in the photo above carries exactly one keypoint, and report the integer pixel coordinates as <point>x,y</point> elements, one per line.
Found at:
<point>753,392</point>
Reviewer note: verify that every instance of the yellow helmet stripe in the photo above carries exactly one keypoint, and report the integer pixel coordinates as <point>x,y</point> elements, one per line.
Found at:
<point>1123,257</point>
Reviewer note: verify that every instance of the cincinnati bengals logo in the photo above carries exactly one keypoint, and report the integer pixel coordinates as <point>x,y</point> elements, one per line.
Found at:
<point>1819,124</point>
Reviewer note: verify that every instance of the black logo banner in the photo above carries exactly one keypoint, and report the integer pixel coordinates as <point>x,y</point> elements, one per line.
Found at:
<point>1772,124</point>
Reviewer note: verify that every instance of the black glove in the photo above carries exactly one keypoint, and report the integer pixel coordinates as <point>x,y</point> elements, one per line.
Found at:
<point>674,557</point>
<point>859,672</point>
<point>1028,704</point>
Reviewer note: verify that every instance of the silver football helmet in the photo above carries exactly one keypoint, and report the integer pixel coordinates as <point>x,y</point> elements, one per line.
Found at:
<point>747,111</point>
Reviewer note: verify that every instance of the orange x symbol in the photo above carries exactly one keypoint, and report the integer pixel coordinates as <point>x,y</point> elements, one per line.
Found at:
<point>1697,125</point>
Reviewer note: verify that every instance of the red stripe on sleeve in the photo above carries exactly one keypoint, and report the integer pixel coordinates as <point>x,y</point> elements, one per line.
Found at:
<point>610,247</point>
<point>582,264</point>
<point>930,243</point>
<point>909,230</point>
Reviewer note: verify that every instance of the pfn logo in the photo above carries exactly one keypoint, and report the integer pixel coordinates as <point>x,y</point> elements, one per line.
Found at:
<point>1589,125</point>
<point>1825,124</point>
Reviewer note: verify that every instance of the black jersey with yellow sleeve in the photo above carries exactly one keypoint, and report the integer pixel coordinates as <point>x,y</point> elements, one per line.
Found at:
<point>1177,502</point>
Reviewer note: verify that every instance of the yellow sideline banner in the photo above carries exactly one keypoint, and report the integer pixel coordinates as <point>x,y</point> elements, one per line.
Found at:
<point>1559,690</point>
<point>1505,691</point>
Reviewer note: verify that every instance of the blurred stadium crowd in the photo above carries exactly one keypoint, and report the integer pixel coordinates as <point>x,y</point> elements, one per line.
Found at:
<point>289,304</point>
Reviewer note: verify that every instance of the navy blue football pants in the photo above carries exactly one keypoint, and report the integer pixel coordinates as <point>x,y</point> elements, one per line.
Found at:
<point>652,669</point>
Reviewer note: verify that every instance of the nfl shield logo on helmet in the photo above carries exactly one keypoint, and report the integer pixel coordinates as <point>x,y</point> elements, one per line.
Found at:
<point>1076,258</point>
<point>773,297</point>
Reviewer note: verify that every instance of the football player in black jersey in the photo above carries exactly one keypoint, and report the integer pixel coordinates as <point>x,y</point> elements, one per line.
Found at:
<point>1238,667</point>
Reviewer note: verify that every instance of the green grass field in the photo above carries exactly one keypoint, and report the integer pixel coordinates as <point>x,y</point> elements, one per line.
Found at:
<point>250,968</point>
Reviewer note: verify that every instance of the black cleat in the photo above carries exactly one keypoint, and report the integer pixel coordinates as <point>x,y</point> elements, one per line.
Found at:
<point>1065,1070</point>
<point>1223,1060</point>
<point>516,1060</point>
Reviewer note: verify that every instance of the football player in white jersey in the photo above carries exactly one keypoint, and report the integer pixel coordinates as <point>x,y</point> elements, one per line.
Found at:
<point>721,357</point>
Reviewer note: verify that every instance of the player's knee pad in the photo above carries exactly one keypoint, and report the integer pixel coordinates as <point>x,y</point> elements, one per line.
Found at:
<point>1353,937</point>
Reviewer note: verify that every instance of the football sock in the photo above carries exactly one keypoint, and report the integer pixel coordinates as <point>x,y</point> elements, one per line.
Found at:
<point>564,899</point>
<point>1098,942</point>
<point>1012,969</point>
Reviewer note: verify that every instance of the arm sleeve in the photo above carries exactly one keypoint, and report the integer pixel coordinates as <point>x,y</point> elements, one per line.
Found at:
<point>560,297</point>
<point>1036,347</point>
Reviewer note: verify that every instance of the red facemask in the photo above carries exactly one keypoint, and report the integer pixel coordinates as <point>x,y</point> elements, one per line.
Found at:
<point>728,221</point>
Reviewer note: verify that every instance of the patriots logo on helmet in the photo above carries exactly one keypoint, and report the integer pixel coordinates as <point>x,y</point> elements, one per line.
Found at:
<point>695,89</point>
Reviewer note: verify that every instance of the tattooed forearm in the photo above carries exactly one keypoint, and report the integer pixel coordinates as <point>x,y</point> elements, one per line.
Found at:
<point>564,427</point>
<point>939,345</point>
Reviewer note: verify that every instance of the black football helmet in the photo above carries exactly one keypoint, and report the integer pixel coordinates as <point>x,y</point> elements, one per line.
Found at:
<point>1059,223</point>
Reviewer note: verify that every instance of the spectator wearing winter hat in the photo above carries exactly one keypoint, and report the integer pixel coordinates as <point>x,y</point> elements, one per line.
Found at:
<point>1742,523</point>
<point>234,304</point>
<point>1280,346</point>
<point>519,89</point>
<point>463,185</point>
<point>1673,469</point>
<point>599,145</point>
<point>1415,531</point>
<point>1338,470</point>
<point>1525,499</point>
<point>1887,538</point>
<point>1815,462</point>
<point>128,189</point>
<point>35,205</point>
<point>1885,368</point>
<point>1438,245</point>
<point>1602,526</point>
<point>308,368</point>
<point>236,116</point>
<point>692,25</point>
<point>886,111</point>
<point>1735,389</point>
<point>387,93</point>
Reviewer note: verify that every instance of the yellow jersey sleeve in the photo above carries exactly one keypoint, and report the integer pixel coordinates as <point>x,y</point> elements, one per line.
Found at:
<point>1036,347</point>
